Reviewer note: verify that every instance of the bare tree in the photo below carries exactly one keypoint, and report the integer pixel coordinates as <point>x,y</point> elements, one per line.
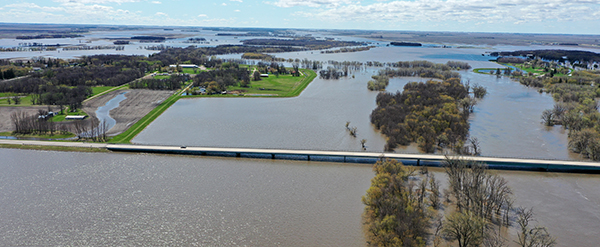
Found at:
<point>528,236</point>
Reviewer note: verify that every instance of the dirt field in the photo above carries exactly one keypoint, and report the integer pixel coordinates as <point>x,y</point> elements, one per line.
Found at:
<point>137,104</point>
<point>5,112</point>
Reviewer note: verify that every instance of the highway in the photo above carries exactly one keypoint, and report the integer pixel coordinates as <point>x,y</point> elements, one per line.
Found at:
<point>333,156</point>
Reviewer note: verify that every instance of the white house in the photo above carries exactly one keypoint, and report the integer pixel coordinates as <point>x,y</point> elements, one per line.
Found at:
<point>193,66</point>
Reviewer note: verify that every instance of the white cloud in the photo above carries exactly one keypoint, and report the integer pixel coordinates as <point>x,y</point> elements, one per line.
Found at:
<point>224,4</point>
<point>311,3</point>
<point>491,11</point>
<point>236,1</point>
<point>96,1</point>
<point>156,2</point>
<point>161,14</point>
<point>202,15</point>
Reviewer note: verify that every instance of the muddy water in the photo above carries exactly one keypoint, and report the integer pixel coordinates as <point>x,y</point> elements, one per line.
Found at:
<point>61,198</point>
<point>57,198</point>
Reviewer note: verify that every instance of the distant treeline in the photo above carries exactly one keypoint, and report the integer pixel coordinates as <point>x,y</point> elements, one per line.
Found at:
<point>430,114</point>
<point>555,55</point>
<point>310,43</point>
<point>50,36</point>
<point>344,50</point>
<point>202,55</point>
<point>174,82</point>
<point>405,44</point>
<point>149,38</point>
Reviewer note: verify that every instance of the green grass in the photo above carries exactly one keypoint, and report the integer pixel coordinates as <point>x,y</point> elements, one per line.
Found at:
<point>45,136</point>
<point>273,86</point>
<point>140,125</point>
<point>191,70</point>
<point>98,90</point>
<point>54,148</point>
<point>104,90</point>
<point>7,94</point>
<point>161,77</point>
<point>25,101</point>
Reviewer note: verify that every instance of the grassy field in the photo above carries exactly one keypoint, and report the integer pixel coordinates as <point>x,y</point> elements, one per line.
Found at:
<point>25,101</point>
<point>54,148</point>
<point>273,86</point>
<point>191,70</point>
<point>45,136</point>
<point>98,90</point>
<point>161,77</point>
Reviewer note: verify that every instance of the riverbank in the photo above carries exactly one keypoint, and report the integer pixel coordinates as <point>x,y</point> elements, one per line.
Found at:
<point>55,145</point>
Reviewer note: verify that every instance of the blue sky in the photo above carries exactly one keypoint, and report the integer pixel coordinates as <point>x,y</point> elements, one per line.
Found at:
<point>514,16</point>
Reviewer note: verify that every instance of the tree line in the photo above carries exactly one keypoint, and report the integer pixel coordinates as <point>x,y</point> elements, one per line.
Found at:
<point>402,208</point>
<point>174,82</point>
<point>308,42</point>
<point>555,55</point>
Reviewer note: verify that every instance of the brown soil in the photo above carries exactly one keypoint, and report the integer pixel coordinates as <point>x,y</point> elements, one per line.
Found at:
<point>137,104</point>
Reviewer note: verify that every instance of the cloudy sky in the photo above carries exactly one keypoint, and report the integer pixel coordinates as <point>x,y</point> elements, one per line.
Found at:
<point>515,16</point>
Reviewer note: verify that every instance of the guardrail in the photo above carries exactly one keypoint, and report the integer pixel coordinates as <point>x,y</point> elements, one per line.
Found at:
<point>365,157</point>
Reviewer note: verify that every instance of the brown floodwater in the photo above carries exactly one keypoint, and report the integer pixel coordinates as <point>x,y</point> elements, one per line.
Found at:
<point>91,199</point>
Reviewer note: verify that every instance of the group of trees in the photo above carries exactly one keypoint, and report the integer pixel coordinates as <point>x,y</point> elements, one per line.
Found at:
<point>576,109</point>
<point>429,114</point>
<point>379,83</point>
<point>396,212</point>
<point>174,82</point>
<point>9,72</point>
<point>218,80</point>
<point>403,208</point>
<point>333,73</point>
<point>26,124</point>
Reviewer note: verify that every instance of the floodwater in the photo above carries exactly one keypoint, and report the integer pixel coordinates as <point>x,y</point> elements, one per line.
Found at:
<point>58,198</point>
<point>63,198</point>
<point>506,122</point>
<point>67,198</point>
<point>103,112</point>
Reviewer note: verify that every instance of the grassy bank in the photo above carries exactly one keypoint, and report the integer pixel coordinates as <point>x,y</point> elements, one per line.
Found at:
<point>55,148</point>
<point>140,125</point>
<point>59,135</point>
